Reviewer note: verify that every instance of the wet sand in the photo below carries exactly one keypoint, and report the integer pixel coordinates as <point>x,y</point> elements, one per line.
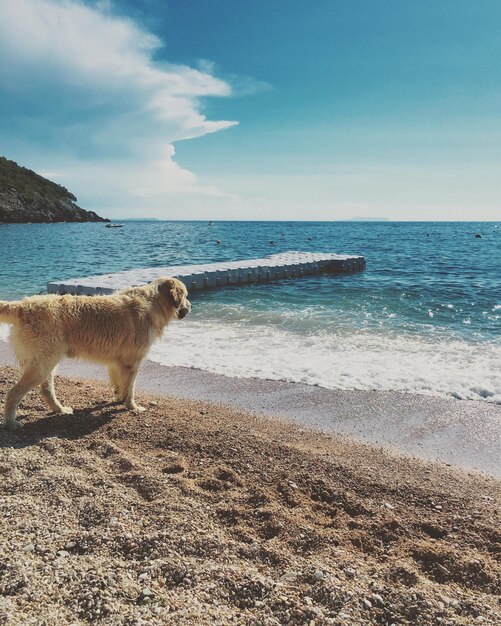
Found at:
<point>466,434</point>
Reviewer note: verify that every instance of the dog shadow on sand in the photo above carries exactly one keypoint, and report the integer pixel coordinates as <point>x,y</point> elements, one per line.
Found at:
<point>81,423</point>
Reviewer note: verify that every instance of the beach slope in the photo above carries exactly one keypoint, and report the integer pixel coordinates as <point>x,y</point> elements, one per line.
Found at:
<point>195,513</point>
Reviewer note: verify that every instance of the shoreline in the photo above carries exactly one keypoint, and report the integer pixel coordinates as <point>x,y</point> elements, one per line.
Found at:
<point>461,433</point>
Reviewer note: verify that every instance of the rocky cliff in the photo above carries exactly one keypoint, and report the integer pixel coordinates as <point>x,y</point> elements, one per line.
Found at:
<point>28,197</point>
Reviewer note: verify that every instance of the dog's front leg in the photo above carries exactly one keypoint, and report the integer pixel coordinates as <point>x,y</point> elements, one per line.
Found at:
<point>128,375</point>
<point>115,380</point>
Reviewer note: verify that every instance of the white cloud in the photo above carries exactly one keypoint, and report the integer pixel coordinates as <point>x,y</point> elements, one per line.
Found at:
<point>105,111</point>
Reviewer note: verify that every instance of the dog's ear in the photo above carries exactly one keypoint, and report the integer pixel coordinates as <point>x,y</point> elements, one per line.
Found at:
<point>171,290</point>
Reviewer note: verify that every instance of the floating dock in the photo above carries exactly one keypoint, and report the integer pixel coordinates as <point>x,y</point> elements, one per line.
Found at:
<point>220,274</point>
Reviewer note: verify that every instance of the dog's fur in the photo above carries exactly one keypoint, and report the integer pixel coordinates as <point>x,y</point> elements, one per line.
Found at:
<point>116,330</point>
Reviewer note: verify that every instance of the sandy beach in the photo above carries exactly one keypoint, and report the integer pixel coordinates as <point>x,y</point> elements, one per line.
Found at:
<point>199,512</point>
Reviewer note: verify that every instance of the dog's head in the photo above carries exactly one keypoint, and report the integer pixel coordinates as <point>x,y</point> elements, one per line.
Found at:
<point>176,294</point>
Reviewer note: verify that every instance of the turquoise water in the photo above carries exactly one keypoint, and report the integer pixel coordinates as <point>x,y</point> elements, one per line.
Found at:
<point>425,316</point>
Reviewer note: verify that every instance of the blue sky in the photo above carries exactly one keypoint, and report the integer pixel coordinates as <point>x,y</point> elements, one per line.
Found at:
<point>221,109</point>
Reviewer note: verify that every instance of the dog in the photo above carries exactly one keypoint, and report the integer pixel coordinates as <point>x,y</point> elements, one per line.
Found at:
<point>116,330</point>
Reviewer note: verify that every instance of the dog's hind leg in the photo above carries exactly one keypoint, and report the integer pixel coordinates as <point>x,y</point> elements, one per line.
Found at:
<point>128,375</point>
<point>34,374</point>
<point>48,393</point>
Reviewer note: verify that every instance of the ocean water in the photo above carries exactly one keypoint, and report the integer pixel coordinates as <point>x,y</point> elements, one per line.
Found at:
<point>424,317</point>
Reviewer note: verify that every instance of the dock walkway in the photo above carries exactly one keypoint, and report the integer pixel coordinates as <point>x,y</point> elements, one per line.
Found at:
<point>220,274</point>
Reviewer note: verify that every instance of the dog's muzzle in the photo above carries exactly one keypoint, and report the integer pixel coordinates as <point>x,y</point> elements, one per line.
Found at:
<point>182,313</point>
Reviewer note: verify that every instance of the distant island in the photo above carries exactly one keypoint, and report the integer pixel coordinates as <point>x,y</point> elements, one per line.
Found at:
<point>28,197</point>
<point>138,219</point>
<point>368,219</point>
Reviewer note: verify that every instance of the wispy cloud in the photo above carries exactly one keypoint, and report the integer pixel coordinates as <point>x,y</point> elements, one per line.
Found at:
<point>84,90</point>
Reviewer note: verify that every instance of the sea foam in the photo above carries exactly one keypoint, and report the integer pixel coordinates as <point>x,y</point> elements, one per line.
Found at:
<point>365,360</point>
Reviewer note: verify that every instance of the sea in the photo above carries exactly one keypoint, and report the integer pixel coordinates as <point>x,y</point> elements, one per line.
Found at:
<point>424,317</point>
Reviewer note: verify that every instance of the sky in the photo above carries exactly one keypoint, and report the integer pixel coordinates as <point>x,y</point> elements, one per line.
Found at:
<point>282,110</point>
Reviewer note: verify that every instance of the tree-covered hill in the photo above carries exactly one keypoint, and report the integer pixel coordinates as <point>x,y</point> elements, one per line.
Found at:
<point>25,196</point>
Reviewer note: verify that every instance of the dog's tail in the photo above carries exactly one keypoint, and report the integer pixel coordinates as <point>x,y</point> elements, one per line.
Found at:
<point>9,312</point>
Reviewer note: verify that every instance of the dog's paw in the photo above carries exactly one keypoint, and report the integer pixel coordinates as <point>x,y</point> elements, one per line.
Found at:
<point>13,425</point>
<point>66,410</point>
<point>137,408</point>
